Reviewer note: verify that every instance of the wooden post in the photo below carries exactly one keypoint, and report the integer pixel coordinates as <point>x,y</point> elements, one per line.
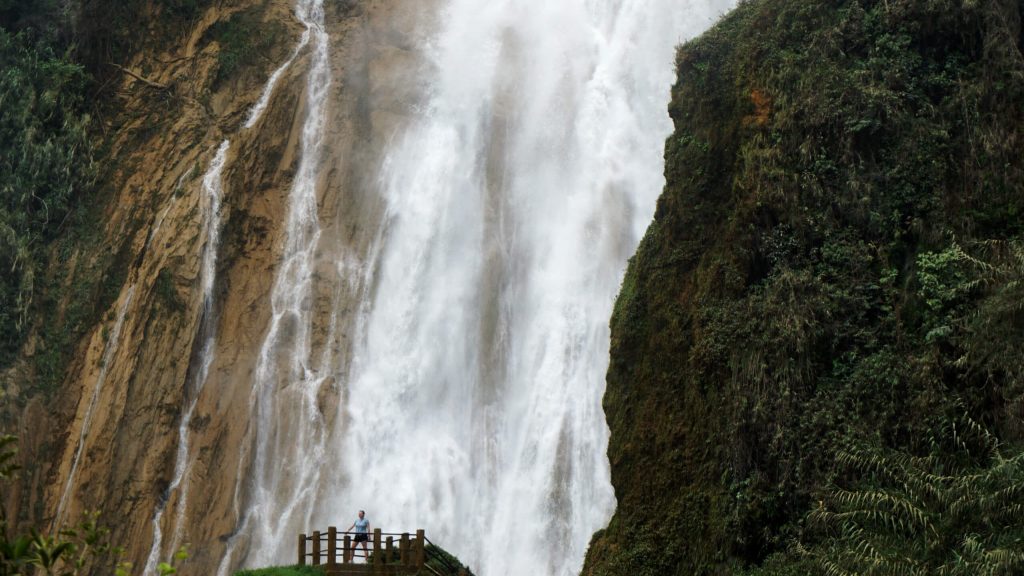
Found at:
<point>348,549</point>
<point>390,550</point>
<point>302,549</point>
<point>420,548</point>
<point>378,554</point>
<point>332,545</point>
<point>316,548</point>
<point>462,572</point>
<point>403,549</point>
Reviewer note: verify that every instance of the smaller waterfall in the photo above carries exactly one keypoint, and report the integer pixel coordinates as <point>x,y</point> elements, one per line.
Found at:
<point>160,219</point>
<point>289,435</point>
<point>268,90</point>
<point>113,340</point>
<point>212,192</point>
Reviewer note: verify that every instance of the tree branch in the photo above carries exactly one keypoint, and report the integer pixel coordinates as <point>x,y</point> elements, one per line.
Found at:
<point>146,81</point>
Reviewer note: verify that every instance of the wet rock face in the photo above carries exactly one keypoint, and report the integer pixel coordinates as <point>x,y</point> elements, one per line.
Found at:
<point>108,440</point>
<point>122,401</point>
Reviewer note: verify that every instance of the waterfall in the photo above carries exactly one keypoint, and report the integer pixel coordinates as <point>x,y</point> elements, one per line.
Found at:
<point>268,89</point>
<point>289,429</point>
<point>213,189</point>
<point>471,406</point>
<point>512,206</point>
<point>113,339</point>
<point>212,186</point>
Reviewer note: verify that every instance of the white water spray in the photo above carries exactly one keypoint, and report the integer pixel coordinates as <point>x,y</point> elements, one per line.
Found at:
<point>478,363</point>
<point>213,189</point>
<point>512,207</point>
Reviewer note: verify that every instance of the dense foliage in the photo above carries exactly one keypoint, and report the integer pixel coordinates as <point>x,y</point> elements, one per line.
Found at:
<point>45,158</point>
<point>957,511</point>
<point>836,262</point>
<point>57,62</point>
<point>243,41</point>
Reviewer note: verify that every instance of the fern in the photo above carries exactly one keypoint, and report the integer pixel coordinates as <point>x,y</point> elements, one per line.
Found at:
<point>950,513</point>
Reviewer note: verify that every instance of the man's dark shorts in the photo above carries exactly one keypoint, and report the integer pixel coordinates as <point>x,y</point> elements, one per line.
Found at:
<point>361,538</point>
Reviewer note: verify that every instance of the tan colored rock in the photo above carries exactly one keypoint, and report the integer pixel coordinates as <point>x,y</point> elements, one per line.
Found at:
<point>140,361</point>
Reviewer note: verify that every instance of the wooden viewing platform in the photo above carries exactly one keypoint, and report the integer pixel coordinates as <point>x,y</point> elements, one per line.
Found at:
<point>389,554</point>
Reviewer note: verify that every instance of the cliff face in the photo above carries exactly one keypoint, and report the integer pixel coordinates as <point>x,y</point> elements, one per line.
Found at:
<point>108,425</point>
<point>833,262</point>
<point>98,416</point>
<point>836,259</point>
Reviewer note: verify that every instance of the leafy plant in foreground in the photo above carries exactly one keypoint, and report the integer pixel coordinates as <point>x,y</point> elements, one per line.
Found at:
<point>83,549</point>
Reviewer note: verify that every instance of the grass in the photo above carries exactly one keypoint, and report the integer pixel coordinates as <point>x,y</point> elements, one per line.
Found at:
<point>283,571</point>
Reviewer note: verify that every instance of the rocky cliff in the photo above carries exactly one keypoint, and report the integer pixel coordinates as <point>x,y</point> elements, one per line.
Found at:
<point>835,262</point>
<point>98,390</point>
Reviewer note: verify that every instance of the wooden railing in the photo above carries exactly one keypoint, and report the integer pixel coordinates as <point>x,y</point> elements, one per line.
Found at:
<point>384,549</point>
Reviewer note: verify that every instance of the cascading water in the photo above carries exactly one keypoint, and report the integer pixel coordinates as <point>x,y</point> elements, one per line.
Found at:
<point>512,207</point>
<point>471,405</point>
<point>113,340</point>
<point>268,89</point>
<point>213,189</point>
<point>212,193</point>
<point>289,438</point>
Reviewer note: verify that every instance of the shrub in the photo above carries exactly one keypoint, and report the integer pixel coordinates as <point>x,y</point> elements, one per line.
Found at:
<point>243,39</point>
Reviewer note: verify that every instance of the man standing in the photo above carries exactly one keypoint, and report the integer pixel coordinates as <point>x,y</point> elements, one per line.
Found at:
<point>362,526</point>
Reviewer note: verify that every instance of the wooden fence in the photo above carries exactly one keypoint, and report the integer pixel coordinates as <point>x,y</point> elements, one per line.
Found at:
<point>335,548</point>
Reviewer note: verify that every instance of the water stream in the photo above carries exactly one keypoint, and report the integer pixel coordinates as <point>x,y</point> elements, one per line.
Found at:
<point>113,339</point>
<point>513,204</point>
<point>289,430</point>
<point>213,190</point>
<point>472,403</point>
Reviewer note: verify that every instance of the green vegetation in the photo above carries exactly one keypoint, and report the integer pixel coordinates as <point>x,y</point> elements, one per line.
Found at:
<point>959,510</point>
<point>45,165</point>
<point>49,200</point>
<point>182,8</point>
<point>165,290</point>
<point>283,571</point>
<point>244,40</point>
<point>835,268</point>
<point>440,562</point>
<point>59,275</point>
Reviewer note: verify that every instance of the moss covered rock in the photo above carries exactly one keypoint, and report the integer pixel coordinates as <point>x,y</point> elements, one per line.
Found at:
<point>836,260</point>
